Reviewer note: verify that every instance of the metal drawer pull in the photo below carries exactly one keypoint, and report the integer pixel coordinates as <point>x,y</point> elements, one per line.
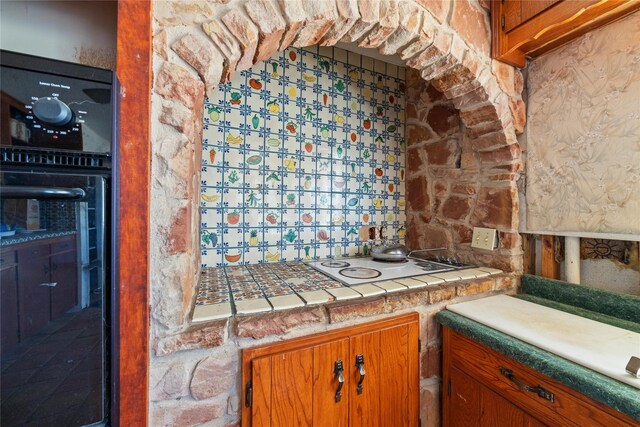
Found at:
<point>539,390</point>
<point>338,369</point>
<point>51,285</point>
<point>360,366</point>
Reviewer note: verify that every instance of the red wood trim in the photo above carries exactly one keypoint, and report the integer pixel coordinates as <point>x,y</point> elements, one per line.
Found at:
<point>134,71</point>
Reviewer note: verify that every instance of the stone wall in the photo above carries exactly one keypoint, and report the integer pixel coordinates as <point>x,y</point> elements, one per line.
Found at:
<point>197,44</point>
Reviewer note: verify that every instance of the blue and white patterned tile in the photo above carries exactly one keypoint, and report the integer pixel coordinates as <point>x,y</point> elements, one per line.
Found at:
<point>288,144</point>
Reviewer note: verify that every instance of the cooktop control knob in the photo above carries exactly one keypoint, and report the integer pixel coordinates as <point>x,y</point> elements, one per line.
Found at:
<point>52,111</point>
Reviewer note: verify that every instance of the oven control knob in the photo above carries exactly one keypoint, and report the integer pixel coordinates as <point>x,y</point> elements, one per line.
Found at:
<point>52,111</point>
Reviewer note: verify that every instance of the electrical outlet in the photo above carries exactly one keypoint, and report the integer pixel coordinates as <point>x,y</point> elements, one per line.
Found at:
<point>484,238</point>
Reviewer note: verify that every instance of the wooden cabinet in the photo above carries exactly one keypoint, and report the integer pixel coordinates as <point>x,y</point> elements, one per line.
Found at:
<point>529,28</point>
<point>39,284</point>
<point>64,274</point>
<point>8,299</point>
<point>33,287</point>
<point>482,387</point>
<point>366,375</point>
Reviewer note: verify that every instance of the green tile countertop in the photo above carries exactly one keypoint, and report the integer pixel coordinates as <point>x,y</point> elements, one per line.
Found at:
<point>618,310</point>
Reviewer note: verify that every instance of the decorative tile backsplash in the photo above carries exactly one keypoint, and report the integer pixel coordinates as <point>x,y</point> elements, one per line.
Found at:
<point>300,152</point>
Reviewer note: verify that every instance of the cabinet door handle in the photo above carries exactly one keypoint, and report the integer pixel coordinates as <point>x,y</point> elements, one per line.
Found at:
<point>539,390</point>
<point>51,284</point>
<point>338,369</point>
<point>360,366</point>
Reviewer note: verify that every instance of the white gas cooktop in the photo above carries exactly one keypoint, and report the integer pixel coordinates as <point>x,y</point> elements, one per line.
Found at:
<point>355,271</point>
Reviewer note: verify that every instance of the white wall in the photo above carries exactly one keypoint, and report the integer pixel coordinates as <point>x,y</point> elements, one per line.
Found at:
<point>75,31</point>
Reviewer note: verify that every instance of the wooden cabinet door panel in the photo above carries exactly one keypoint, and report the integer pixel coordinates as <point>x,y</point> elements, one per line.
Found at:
<point>464,399</point>
<point>64,274</point>
<point>365,407</point>
<point>292,388</point>
<point>496,410</point>
<point>261,406</point>
<point>326,411</point>
<point>33,289</point>
<point>9,307</point>
<point>398,368</point>
<point>531,8</point>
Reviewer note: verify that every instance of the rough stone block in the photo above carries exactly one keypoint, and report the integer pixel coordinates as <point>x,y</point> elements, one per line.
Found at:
<point>433,53</point>
<point>204,57</point>
<point>430,405</point>
<point>369,15</point>
<point>180,118</point>
<point>490,141</point>
<point>348,15</point>
<point>472,24</point>
<point>408,30</point>
<point>431,364</point>
<point>496,207</point>
<point>294,15</point>
<point>201,336</point>
<point>424,39</point>
<point>478,286</point>
<point>400,301</point>
<point>160,44</point>
<point>416,134</point>
<point>177,413</point>
<point>464,188</point>
<point>177,84</point>
<point>504,283</point>
<point>351,310</point>
<point>246,33</point>
<point>168,382</point>
<point>444,120</point>
<point>519,112</point>
<point>443,153</point>
<point>321,15</point>
<point>257,327</point>
<point>482,114</point>
<point>414,161</point>
<point>505,76</point>
<point>213,376</point>
<point>439,9</point>
<point>506,153</point>
<point>417,194</point>
<point>389,22</point>
<point>227,43</point>
<point>462,234</point>
<point>185,12</point>
<point>271,24</point>
<point>471,100</point>
<point>456,207</point>
<point>441,293</point>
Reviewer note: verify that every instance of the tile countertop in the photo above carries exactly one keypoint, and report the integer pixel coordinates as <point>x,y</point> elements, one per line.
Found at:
<point>257,288</point>
<point>605,307</point>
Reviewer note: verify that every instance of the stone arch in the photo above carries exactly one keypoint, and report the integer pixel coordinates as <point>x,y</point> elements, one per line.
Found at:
<point>446,43</point>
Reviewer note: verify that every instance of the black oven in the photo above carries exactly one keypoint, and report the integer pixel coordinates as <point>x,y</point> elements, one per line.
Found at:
<point>58,214</point>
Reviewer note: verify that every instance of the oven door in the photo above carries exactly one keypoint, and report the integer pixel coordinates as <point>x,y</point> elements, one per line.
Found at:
<point>55,295</point>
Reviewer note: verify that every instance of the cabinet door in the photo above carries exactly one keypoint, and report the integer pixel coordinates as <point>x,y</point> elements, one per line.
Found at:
<point>298,388</point>
<point>473,404</point>
<point>327,409</point>
<point>365,406</point>
<point>33,289</point>
<point>64,273</point>
<point>8,301</point>
<point>399,376</point>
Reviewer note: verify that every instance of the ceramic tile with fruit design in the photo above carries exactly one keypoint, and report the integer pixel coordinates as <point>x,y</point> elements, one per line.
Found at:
<point>300,151</point>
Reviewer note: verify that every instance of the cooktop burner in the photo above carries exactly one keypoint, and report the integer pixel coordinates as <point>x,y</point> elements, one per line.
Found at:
<point>360,273</point>
<point>358,270</point>
<point>335,264</point>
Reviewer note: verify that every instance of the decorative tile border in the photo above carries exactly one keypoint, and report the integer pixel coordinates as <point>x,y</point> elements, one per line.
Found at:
<point>257,288</point>
<point>299,153</point>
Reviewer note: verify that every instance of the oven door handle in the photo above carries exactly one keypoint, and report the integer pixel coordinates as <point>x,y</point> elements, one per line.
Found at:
<point>28,192</point>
